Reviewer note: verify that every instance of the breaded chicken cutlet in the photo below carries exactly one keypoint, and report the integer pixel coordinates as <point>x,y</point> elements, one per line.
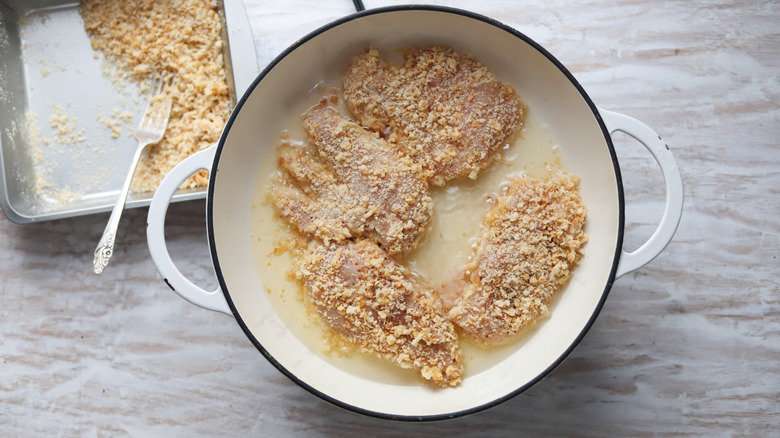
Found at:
<point>353,184</point>
<point>443,107</point>
<point>531,240</point>
<point>361,293</point>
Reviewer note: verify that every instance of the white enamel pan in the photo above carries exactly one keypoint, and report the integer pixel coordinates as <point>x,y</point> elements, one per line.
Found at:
<point>581,129</point>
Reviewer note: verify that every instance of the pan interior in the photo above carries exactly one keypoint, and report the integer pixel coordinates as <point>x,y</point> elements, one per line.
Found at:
<point>253,132</point>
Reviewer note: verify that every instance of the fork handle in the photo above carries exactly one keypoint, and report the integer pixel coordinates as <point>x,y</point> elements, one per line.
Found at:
<point>105,247</point>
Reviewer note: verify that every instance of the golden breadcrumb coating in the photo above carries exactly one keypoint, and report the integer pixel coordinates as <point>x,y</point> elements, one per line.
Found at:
<point>371,300</point>
<point>351,184</point>
<point>180,39</point>
<point>531,240</point>
<point>445,108</point>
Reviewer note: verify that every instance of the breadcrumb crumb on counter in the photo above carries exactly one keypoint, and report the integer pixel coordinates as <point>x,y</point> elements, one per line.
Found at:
<point>532,239</point>
<point>178,38</point>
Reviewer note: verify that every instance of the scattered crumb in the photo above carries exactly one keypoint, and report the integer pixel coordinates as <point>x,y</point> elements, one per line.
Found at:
<point>65,127</point>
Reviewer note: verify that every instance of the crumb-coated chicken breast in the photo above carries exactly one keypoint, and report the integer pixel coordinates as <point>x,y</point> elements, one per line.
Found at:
<point>444,107</point>
<point>351,183</point>
<point>531,240</point>
<point>361,293</point>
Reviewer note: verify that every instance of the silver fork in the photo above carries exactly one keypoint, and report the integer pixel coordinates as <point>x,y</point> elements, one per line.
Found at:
<point>150,131</point>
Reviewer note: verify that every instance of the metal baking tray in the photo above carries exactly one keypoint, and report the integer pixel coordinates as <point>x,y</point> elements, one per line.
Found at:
<point>57,155</point>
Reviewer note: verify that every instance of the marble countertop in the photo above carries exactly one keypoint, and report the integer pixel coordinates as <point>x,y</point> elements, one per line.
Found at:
<point>687,345</point>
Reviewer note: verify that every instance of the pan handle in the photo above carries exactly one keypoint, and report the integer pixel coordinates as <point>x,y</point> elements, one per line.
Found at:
<point>631,261</point>
<point>155,234</point>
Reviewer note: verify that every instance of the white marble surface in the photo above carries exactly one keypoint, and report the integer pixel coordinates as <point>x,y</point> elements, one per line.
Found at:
<point>688,345</point>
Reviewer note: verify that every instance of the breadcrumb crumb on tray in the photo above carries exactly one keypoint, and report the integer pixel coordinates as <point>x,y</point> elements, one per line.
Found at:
<point>73,107</point>
<point>181,39</point>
